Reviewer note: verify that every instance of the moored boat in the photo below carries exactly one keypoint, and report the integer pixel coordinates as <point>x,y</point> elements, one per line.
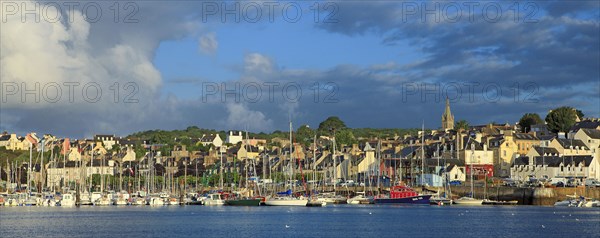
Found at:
<point>214,199</point>
<point>67,200</point>
<point>494,202</point>
<point>403,195</point>
<point>315,202</point>
<point>440,200</point>
<point>156,201</point>
<point>468,201</point>
<point>358,199</point>
<point>243,202</point>
<point>286,201</point>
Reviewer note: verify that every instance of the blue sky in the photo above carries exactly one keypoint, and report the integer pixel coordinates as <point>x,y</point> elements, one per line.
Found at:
<point>378,64</point>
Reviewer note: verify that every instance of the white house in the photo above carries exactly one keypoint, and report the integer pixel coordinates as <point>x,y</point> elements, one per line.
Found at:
<point>212,139</point>
<point>546,167</point>
<point>234,137</point>
<point>108,141</point>
<point>590,137</point>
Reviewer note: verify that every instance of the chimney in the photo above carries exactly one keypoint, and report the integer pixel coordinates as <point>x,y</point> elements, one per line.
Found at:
<point>561,135</point>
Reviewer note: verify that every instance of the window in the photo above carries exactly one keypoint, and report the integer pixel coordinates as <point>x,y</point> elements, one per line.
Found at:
<point>562,168</point>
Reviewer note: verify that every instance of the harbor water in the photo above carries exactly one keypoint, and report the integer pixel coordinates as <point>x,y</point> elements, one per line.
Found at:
<point>329,221</point>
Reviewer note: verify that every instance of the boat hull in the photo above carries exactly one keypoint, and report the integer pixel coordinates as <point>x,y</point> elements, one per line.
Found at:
<point>469,202</point>
<point>496,203</point>
<point>243,202</point>
<point>420,199</point>
<point>440,201</point>
<point>291,202</point>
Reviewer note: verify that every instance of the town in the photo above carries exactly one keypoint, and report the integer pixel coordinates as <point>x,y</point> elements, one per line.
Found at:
<point>558,156</point>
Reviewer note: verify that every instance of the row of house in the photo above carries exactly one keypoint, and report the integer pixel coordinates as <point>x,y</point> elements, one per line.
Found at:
<point>491,150</point>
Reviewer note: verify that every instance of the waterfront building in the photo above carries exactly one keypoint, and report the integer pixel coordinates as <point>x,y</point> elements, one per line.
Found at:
<point>578,167</point>
<point>525,141</point>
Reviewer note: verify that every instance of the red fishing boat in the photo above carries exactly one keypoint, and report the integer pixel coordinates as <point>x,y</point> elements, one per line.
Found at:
<point>403,194</point>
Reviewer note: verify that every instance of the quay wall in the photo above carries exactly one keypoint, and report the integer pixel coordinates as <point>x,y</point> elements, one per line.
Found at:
<point>527,196</point>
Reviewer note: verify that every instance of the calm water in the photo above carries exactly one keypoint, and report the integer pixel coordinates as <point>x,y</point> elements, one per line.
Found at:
<point>331,221</point>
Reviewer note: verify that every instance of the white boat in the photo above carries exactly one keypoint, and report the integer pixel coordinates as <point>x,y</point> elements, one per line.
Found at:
<point>156,201</point>
<point>173,201</point>
<point>95,197</point>
<point>440,200</point>
<point>31,201</point>
<point>286,201</point>
<point>592,203</point>
<point>214,199</point>
<point>68,200</point>
<point>11,200</point>
<point>468,201</point>
<point>84,199</point>
<point>316,203</point>
<point>358,199</point>
<point>103,201</point>
<point>138,201</point>
<point>571,201</point>
<point>121,202</point>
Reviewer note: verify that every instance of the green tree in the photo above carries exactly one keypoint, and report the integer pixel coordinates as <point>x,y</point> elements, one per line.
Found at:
<point>529,119</point>
<point>304,135</point>
<point>561,119</point>
<point>580,114</point>
<point>462,124</point>
<point>330,125</point>
<point>344,137</point>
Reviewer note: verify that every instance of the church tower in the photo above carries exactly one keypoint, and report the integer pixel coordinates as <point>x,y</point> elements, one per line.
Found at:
<point>447,118</point>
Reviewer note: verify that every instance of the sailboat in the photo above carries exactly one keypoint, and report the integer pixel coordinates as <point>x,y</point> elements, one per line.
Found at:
<point>442,198</point>
<point>314,201</point>
<point>287,199</point>
<point>216,198</point>
<point>469,200</point>
<point>487,201</point>
<point>238,199</point>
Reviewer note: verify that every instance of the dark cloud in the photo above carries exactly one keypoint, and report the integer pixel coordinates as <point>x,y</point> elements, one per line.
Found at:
<point>492,71</point>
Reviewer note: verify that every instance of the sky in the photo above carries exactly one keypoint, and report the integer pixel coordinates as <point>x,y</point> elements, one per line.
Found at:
<point>76,69</point>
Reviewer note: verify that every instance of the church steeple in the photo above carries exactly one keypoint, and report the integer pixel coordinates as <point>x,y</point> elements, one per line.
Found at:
<point>447,118</point>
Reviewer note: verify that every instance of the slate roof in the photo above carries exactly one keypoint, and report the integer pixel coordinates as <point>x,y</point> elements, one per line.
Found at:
<point>567,143</point>
<point>592,133</point>
<point>545,150</point>
<point>555,161</point>
<point>524,136</point>
<point>586,124</point>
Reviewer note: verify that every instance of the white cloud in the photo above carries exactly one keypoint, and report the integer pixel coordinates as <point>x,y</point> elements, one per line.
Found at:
<point>257,63</point>
<point>208,43</point>
<point>240,116</point>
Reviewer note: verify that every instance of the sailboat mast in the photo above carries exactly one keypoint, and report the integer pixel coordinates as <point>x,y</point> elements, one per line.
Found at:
<point>92,169</point>
<point>221,170</point>
<point>29,169</point>
<point>42,168</point>
<point>334,164</point>
<point>422,153</point>
<point>291,159</point>
<point>472,157</point>
<point>315,158</point>
<point>378,165</point>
